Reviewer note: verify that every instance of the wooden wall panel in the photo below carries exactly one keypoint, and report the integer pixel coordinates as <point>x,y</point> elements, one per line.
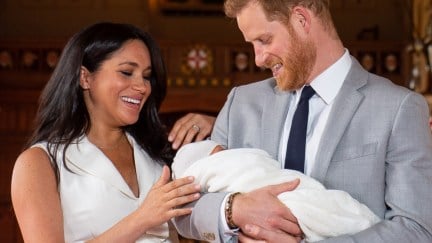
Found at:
<point>9,149</point>
<point>9,229</point>
<point>17,109</point>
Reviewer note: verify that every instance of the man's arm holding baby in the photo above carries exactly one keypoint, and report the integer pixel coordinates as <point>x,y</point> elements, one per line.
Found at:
<point>260,207</point>
<point>263,209</point>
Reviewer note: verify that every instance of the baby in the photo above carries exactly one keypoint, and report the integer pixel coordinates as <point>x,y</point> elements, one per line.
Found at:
<point>321,213</point>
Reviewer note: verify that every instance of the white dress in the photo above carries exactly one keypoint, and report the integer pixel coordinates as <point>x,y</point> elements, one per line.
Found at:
<point>321,213</point>
<point>94,196</point>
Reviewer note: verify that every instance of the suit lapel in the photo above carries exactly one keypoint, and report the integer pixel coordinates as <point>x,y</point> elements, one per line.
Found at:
<point>275,110</point>
<point>344,107</point>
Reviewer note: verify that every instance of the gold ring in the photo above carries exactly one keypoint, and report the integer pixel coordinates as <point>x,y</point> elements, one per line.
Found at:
<point>196,128</point>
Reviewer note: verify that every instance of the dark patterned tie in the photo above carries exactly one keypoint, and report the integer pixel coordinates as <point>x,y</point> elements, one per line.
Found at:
<point>295,153</point>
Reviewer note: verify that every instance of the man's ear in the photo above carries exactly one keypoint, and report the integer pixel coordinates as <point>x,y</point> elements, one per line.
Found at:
<point>303,17</point>
<point>84,78</point>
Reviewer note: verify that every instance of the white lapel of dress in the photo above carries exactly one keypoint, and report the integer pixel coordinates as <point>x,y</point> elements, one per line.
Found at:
<point>87,158</point>
<point>344,108</point>
<point>148,171</point>
<point>274,111</point>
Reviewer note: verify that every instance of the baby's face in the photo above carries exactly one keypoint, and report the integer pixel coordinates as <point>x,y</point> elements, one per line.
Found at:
<point>217,149</point>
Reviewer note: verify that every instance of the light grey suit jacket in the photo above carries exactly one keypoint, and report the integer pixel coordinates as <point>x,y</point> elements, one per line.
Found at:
<point>376,146</point>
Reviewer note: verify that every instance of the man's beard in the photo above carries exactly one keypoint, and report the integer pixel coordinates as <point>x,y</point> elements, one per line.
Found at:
<point>297,65</point>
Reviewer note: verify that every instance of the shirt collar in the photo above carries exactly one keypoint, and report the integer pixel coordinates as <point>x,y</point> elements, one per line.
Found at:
<point>329,82</point>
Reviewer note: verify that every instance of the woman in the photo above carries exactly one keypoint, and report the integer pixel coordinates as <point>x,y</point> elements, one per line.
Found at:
<point>94,169</point>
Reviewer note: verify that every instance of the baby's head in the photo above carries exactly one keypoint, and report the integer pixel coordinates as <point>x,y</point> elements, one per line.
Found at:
<point>190,153</point>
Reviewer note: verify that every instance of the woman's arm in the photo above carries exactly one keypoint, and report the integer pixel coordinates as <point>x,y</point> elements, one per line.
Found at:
<point>35,198</point>
<point>38,210</point>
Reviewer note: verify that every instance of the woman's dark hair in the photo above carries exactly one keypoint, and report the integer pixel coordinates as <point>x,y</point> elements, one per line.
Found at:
<point>63,117</point>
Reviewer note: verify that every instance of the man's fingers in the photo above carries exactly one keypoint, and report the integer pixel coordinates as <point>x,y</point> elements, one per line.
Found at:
<point>245,239</point>
<point>284,187</point>
<point>256,232</point>
<point>289,225</point>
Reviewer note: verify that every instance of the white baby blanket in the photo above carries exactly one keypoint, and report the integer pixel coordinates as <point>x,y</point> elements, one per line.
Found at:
<point>321,213</point>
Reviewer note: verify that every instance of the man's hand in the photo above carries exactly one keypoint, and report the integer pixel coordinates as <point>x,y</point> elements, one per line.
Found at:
<point>265,216</point>
<point>259,233</point>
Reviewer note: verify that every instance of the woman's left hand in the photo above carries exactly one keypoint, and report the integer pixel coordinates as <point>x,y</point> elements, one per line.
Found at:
<point>191,127</point>
<point>166,197</point>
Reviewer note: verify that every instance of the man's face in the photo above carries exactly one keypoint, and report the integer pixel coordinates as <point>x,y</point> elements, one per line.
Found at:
<point>278,47</point>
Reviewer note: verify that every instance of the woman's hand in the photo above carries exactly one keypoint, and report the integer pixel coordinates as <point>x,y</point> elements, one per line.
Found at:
<point>166,197</point>
<point>191,127</point>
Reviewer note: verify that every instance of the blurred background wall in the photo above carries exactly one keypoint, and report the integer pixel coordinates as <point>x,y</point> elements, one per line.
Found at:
<point>33,32</point>
<point>37,19</point>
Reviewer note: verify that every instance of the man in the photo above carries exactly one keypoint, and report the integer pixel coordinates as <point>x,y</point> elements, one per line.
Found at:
<point>365,135</point>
